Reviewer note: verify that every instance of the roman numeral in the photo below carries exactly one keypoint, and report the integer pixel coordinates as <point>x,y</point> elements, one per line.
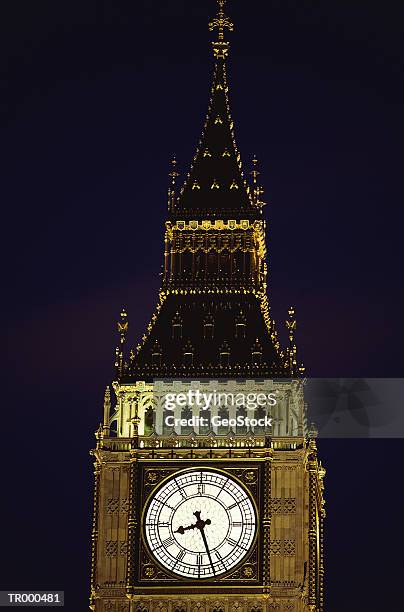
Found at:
<point>231,541</point>
<point>163,503</point>
<point>201,488</point>
<point>167,542</point>
<point>199,559</point>
<point>234,543</point>
<point>181,490</point>
<point>181,555</point>
<point>232,506</point>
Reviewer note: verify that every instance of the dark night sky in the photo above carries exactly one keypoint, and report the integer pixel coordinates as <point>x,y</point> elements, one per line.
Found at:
<point>97,98</point>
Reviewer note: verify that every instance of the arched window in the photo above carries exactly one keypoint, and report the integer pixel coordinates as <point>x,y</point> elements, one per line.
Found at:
<point>224,262</point>
<point>247,263</point>
<point>149,420</point>
<point>205,425</point>
<point>256,353</point>
<point>208,327</point>
<point>239,262</point>
<point>241,412</point>
<point>200,263</point>
<point>176,327</point>
<point>224,354</point>
<point>223,415</point>
<point>212,263</point>
<point>259,414</point>
<point>113,428</point>
<point>186,413</point>
<point>240,325</point>
<point>188,354</point>
<point>186,263</point>
<point>156,354</point>
<point>167,429</point>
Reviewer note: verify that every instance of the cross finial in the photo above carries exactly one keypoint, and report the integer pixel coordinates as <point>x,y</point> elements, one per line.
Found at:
<point>221,21</point>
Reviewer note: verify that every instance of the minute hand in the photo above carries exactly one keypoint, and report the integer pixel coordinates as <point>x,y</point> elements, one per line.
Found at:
<point>207,547</point>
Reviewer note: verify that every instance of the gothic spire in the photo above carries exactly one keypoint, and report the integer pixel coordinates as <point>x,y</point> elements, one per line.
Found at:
<point>215,185</point>
<point>221,46</point>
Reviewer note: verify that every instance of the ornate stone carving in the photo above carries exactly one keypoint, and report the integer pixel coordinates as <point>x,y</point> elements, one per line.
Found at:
<point>112,505</point>
<point>152,477</point>
<point>289,506</point>
<point>277,505</point>
<point>276,547</point>
<point>116,606</point>
<point>283,547</point>
<point>283,506</point>
<point>116,592</point>
<point>248,571</point>
<point>289,547</point>
<point>111,548</point>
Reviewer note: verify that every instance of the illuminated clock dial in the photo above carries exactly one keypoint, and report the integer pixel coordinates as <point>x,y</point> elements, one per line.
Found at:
<point>200,524</point>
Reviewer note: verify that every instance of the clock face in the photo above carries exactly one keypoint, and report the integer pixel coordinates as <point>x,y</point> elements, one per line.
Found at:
<point>200,524</point>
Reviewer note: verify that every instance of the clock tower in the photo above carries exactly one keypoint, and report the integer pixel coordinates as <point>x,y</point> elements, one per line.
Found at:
<point>208,491</point>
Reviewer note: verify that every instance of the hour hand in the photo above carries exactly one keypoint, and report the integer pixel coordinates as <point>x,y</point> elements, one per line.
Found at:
<point>182,529</point>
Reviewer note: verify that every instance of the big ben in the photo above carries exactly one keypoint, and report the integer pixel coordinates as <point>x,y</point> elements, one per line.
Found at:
<point>208,489</point>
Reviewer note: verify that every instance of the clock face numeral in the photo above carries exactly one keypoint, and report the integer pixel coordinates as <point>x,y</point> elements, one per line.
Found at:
<point>182,491</point>
<point>168,542</point>
<point>200,524</point>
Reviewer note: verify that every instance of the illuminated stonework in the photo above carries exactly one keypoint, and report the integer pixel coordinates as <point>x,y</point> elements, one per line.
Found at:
<point>211,331</point>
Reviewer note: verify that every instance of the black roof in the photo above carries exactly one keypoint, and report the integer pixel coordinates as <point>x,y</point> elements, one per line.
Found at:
<point>215,185</point>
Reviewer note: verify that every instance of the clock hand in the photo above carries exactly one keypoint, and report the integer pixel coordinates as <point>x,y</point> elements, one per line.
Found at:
<point>207,549</point>
<point>182,529</point>
<point>200,524</point>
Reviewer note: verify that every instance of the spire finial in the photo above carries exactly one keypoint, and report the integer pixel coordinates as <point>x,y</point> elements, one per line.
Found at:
<point>221,46</point>
<point>122,329</point>
<point>171,190</point>
<point>107,410</point>
<point>257,189</point>
<point>123,325</point>
<point>291,327</point>
<point>99,436</point>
